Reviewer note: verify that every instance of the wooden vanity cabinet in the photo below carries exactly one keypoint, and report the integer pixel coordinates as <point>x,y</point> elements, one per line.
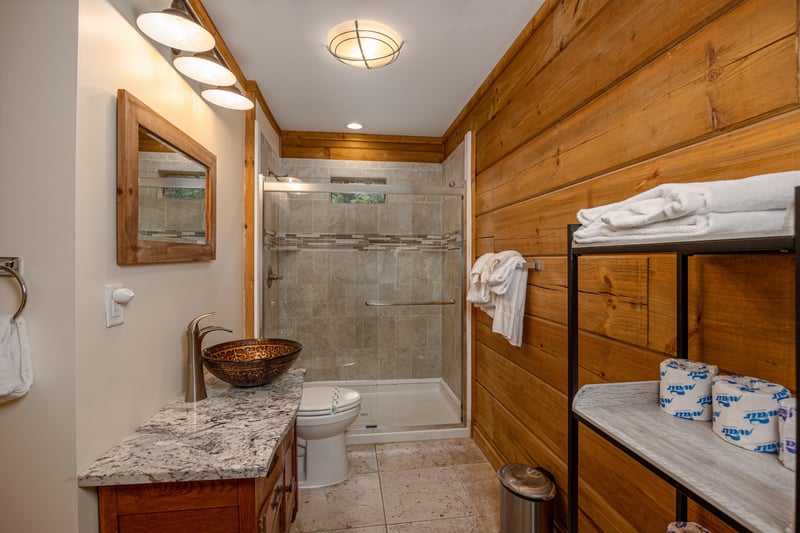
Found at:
<point>255,505</point>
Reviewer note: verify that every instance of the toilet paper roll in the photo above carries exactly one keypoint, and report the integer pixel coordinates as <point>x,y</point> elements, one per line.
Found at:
<point>685,388</point>
<point>787,431</point>
<point>746,412</point>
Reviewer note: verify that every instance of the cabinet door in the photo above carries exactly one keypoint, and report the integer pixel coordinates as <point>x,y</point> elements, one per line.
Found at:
<point>269,518</point>
<point>290,478</point>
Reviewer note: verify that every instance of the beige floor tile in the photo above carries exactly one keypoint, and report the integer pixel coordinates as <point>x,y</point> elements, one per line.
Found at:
<point>363,459</point>
<point>463,452</point>
<point>423,494</point>
<point>397,456</point>
<point>483,491</point>
<point>466,524</point>
<point>350,504</point>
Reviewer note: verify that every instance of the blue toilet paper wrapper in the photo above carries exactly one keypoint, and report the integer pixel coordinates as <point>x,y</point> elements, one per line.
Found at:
<point>685,388</point>
<point>787,431</point>
<point>746,412</point>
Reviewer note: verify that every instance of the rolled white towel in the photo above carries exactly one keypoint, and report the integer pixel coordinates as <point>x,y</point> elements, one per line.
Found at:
<point>764,192</point>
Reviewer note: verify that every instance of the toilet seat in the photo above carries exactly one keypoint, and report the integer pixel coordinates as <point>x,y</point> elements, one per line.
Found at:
<point>326,401</point>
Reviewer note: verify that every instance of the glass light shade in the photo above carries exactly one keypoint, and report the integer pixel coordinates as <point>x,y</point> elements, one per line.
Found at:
<point>174,27</point>
<point>364,44</point>
<point>228,97</point>
<point>205,68</point>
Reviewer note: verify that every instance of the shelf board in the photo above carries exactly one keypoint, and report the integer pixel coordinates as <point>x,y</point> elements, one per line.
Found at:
<point>747,488</point>
<point>712,244</point>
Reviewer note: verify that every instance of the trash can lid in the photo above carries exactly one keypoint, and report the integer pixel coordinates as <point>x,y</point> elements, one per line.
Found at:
<point>531,483</point>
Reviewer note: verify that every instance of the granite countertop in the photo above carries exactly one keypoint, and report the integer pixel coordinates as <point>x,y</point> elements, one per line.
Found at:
<point>232,434</point>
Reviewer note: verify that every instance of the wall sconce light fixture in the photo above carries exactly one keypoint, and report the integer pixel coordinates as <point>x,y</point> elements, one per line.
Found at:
<point>204,67</point>
<point>228,97</point>
<point>364,44</point>
<point>174,27</point>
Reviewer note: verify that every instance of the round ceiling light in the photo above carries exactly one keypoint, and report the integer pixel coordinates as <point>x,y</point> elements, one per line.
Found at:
<point>364,44</point>
<point>174,27</point>
<point>205,68</point>
<point>228,97</point>
<point>355,125</point>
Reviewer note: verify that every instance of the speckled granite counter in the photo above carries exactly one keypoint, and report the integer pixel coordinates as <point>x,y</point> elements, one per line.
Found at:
<point>230,435</point>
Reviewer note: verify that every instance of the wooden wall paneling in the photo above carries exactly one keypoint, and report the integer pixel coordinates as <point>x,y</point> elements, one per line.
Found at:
<point>542,351</point>
<point>549,32</point>
<point>348,146</point>
<point>596,514</point>
<point>634,492</point>
<point>748,317</point>
<point>609,48</point>
<point>662,311</point>
<point>616,361</point>
<point>769,146</point>
<point>695,90</point>
<point>537,405</point>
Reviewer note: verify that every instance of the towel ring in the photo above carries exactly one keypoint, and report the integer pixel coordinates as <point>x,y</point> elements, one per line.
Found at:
<point>22,287</point>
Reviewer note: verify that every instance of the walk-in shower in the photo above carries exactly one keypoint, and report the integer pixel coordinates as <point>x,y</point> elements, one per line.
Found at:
<point>363,263</point>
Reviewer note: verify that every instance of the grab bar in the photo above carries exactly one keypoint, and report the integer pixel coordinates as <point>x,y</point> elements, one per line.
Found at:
<point>388,304</point>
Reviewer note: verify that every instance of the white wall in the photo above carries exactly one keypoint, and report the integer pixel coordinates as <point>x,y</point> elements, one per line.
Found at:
<point>38,54</point>
<point>57,209</point>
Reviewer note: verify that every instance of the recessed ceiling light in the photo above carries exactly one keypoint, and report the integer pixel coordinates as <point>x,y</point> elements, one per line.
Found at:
<point>355,126</point>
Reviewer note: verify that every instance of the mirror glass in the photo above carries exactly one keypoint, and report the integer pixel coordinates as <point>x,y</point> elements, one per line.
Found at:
<point>165,189</point>
<point>172,193</point>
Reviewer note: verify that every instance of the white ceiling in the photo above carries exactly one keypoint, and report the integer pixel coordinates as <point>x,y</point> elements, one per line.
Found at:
<point>450,47</point>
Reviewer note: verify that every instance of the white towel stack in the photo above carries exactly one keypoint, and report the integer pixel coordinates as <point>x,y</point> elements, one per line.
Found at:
<point>16,369</point>
<point>497,287</point>
<point>689,210</point>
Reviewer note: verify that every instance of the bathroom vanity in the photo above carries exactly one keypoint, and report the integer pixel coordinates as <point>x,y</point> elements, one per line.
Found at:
<point>225,464</point>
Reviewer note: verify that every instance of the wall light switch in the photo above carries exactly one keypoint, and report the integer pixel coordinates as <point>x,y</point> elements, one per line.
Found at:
<point>113,309</point>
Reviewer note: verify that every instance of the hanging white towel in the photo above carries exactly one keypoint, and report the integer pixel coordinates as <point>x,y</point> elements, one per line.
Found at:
<point>764,192</point>
<point>16,368</point>
<point>478,292</point>
<point>687,227</point>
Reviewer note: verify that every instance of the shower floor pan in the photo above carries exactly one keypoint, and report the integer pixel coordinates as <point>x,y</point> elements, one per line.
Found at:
<point>403,410</point>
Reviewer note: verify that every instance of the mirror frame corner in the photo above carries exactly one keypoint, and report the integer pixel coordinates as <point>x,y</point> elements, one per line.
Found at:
<point>132,114</point>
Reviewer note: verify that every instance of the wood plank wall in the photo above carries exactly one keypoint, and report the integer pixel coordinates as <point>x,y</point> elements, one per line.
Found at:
<point>361,147</point>
<point>598,101</point>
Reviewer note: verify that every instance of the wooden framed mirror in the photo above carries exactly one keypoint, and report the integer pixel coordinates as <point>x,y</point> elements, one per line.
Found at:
<point>166,187</point>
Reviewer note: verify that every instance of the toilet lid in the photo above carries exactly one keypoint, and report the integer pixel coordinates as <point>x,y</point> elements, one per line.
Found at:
<point>328,399</point>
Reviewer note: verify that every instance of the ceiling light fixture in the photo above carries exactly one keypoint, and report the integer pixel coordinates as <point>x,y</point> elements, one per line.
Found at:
<point>364,44</point>
<point>355,125</point>
<point>228,97</point>
<point>204,67</point>
<point>174,27</point>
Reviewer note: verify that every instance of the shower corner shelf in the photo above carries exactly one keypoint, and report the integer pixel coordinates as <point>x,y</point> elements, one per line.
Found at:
<point>743,488</point>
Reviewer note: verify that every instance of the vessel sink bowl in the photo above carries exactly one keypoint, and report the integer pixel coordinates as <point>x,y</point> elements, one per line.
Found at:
<point>251,362</point>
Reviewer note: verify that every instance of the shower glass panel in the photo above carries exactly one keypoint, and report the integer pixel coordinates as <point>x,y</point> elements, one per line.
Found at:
<point>374,292</point>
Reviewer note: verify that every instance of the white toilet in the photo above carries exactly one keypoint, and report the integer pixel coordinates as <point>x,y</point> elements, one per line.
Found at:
<point>324,415</point>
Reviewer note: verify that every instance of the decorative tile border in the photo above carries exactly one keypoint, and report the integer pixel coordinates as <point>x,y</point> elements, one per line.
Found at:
<point>371,241</point>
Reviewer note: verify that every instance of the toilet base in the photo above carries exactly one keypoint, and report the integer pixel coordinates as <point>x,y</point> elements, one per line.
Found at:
<point>325,462</point>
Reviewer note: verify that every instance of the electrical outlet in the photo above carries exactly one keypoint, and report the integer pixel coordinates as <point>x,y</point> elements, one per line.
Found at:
<point>114,315</point>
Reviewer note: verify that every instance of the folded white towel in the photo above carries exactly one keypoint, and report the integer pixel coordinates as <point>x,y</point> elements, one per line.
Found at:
<point>687,227</point>
<point>763,192</point>
<point>16,369</point>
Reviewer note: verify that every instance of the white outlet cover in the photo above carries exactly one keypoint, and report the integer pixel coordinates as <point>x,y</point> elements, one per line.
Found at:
<point>114,315</point>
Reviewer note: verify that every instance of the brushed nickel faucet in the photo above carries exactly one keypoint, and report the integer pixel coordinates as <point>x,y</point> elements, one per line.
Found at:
<point>196,384</point>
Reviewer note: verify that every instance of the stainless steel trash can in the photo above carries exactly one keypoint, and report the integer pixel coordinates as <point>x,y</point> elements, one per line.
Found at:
<point>526,499</point>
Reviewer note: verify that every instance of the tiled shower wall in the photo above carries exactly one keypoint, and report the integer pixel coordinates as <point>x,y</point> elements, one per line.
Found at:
<point>334,257</point>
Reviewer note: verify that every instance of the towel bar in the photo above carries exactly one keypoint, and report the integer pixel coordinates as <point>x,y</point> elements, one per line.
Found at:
<point>11,265</point>
<point>536,265</point>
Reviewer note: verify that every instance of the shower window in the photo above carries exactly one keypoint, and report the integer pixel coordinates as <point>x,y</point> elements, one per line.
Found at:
<point>358,197</point>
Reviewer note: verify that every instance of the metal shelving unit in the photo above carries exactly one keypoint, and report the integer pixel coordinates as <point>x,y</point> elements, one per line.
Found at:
<point>623,413</point>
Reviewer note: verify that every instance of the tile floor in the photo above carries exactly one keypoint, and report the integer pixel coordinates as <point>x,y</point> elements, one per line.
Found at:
<point>439,486</point>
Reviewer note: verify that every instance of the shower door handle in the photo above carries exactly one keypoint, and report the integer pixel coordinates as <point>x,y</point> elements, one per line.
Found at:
<point>271,276</point>
<point>387,304</point>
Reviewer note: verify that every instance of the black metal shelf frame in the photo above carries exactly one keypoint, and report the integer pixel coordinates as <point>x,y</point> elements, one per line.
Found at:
<point>682,250</point>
